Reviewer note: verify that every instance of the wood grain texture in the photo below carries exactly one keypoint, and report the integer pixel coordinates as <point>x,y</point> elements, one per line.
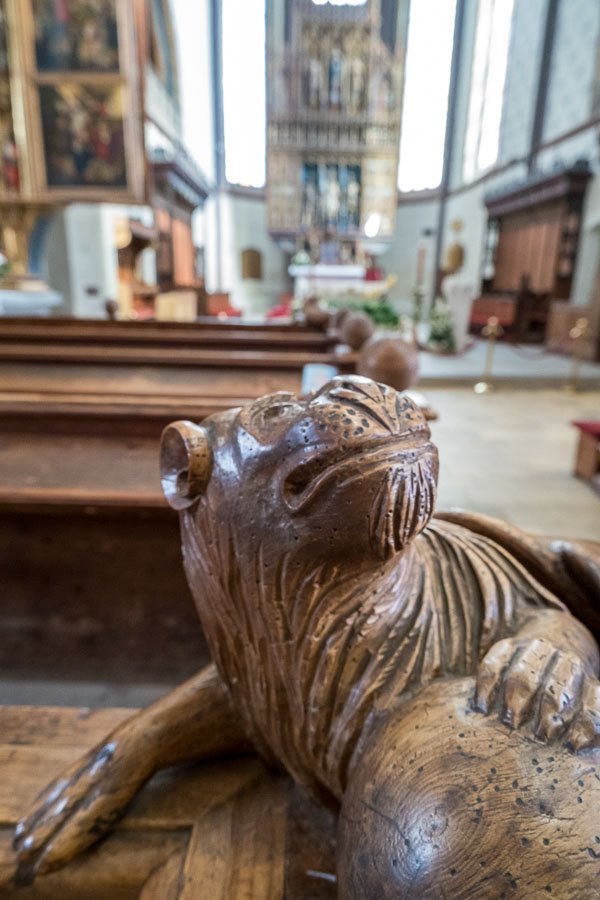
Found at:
<point>447,804</point>
<point>95,594</point>
<point>181,836</point>
<point>383,658</point>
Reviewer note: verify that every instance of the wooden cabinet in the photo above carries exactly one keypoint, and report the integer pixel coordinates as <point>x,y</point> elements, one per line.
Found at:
<point>532,241</point>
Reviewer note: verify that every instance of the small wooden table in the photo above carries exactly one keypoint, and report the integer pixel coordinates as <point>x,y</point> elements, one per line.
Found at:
<point>587,460</point>
<point>218,831</point>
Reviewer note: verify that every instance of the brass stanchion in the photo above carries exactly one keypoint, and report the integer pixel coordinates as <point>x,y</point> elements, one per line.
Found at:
<point>492,331</point>
<point>577,335</point>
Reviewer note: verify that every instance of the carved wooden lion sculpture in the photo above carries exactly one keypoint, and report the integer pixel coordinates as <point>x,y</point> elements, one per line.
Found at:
<point>424,674</point>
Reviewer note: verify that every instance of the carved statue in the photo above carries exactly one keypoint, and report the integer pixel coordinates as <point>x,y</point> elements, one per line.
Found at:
<point>335,71</point>
<point>315,81</point>
<point>355,75</point>
<point>309,203</point>
<point>353,200</point>
<point>332,197</point>
<point>425,674</point>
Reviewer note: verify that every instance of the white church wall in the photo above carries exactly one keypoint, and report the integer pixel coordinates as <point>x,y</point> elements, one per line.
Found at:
<point>527,36</point>
<point>573,67</point>
<point>57,261</point>
<point>243,225</point>
<point>413,218</point>
<point>92,258</point>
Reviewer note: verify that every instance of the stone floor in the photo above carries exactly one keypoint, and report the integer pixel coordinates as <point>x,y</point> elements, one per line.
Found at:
<point>512,364</point>
<point>508,454</point>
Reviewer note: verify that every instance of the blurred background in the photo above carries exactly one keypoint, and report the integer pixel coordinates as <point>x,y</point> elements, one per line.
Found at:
<point>210,148</point>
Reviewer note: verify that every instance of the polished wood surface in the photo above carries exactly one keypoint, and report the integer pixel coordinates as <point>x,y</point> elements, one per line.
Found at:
<point>539,223</point>
<point>95,594</point>
<point>398,665</point>
<point>76,332</point>
<point>82,515</point>
<point>217,830</point>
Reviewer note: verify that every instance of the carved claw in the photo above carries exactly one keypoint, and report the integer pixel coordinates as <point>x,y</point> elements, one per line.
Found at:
<point>77,809</point>
<point>585,731</point>
<point>491,672</point>
<point>533,685</point>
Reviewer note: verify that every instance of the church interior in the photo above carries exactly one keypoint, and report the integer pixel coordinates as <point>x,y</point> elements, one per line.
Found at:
<point>202,203</point>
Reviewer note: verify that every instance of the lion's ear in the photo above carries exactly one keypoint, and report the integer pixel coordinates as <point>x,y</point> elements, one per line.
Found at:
<point>185,463</point>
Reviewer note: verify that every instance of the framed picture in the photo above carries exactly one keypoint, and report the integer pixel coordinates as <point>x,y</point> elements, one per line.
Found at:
<point>76,35</point>
<point>83,135</point>
<point>74,76</point>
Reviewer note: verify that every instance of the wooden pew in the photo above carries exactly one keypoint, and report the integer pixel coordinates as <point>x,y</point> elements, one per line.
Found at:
<point>82,517</point>
<point>219,830</point>
<point>76,333</point>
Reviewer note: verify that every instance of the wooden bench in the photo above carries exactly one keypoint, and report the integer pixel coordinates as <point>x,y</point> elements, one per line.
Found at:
<point>503,308</point>
<point>587,459</point>
<point>109,335</point>
<point>218,831</point>
<point>82,516</point>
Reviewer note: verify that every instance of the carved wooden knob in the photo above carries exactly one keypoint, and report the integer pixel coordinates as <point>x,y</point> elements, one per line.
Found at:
<point>185,463</point>
<point>390,361</point>
<point>356,329</point>
<point>314,314</point>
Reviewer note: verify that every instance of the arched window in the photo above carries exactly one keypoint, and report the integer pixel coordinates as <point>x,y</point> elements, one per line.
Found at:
<point>162,48</point>
<point>252,264</point>
<point>244,91</point>
<point>426,85</point>
<point>490,60</point>
<point>340,2</point>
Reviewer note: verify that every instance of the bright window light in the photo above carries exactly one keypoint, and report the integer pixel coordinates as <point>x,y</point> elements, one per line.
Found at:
<point>490,59</point>
<point>244,92</point>
<point>426,85</point>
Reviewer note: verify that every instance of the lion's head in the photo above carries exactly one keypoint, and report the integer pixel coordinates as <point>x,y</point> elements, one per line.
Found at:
<point>289,509</point>
<point>349,472</point>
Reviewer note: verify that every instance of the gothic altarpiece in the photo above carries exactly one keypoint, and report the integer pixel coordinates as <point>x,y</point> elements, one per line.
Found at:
<point>335,77</point>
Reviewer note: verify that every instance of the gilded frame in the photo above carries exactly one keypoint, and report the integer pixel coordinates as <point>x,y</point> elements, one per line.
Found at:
<point>27,85</point>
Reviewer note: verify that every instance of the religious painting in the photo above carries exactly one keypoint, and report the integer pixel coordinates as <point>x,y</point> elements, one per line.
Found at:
<point>76,35</point>
<point>3,41</point>
<point>71,69</point>
<point>331,196</point>
<point>83,135</point>
<point>10,179</point>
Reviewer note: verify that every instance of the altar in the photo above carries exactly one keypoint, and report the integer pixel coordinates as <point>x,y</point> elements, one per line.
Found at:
<point>327,280</point>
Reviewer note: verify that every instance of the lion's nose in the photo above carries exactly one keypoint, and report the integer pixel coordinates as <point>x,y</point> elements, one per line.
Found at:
<point>357,388</point>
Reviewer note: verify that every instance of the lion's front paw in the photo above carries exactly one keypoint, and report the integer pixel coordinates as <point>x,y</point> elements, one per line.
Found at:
<point>584,733</point>
<point>533,685</point>
<point>76,809</point>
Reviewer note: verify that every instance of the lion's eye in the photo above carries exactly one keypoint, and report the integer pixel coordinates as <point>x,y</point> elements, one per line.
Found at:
<point>276,412</point>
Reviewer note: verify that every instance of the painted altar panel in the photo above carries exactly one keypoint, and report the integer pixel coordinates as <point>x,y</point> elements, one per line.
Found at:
<point>70,109</point>
<point>331,196</point>
<point>83,135</point>
<point>76,35</point>
<point>10,177</point>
